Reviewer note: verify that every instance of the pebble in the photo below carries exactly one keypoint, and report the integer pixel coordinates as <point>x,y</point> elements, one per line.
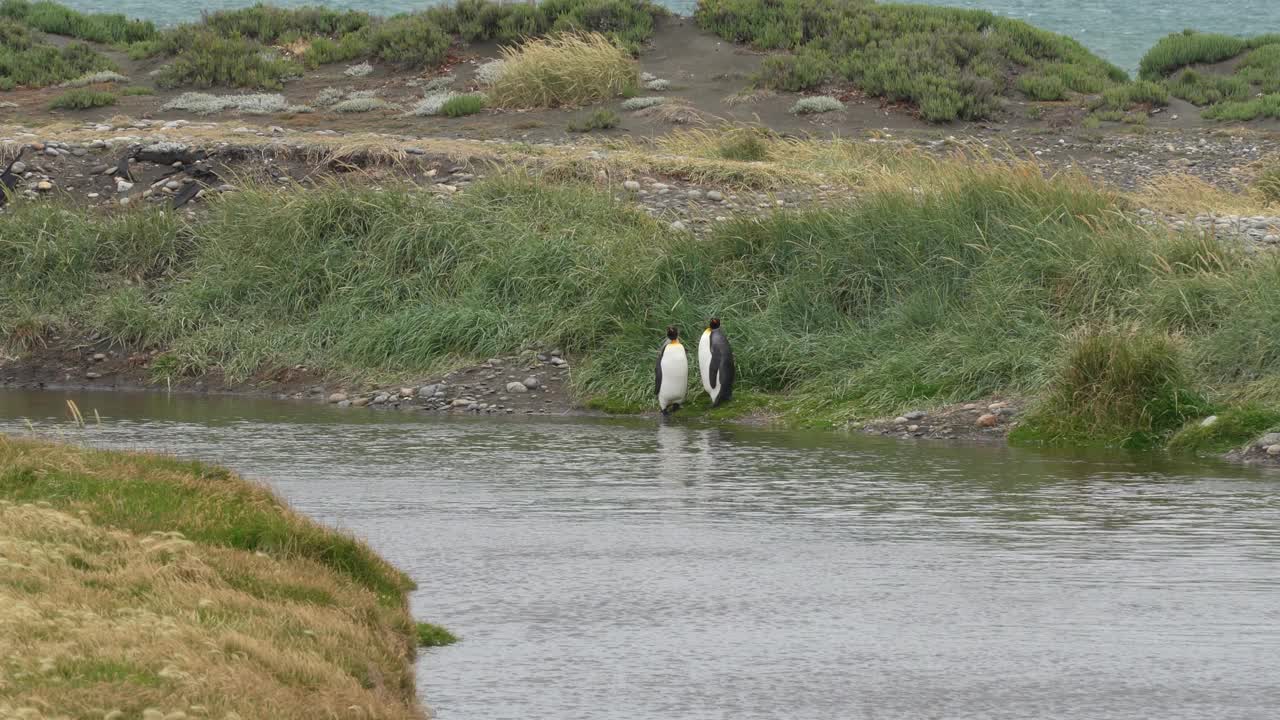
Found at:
<point>678,226</point>
<point>19,167</point>
<point>715,195</point>
<point>914,415</point>
<point>987,420</point>
<point>99,357</point>
<point>51,152</point>
<point>516,387</point>
<point>337,397</point>
<point>532,383</point>
<point>381,398</point>
<point>92,375</point>
<point>900,420</point>
<point>123,186</point>
<point>558,361</point>
<point>1273,449</point>
<point>44,186</point>
<point>631,185</point>
<point>427,391</point>
<point>344,403</point>
<point>360,402</point>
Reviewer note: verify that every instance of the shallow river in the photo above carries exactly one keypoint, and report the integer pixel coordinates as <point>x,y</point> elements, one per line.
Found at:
<point>624,570</point>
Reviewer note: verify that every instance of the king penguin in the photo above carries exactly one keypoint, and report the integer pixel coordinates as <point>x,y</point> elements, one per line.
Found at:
<point>715,360</point>
<point>672,373</point>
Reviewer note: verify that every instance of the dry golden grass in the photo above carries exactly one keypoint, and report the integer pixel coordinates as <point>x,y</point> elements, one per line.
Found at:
<point>1186,194</point>
<point>97,619</point>
<point>563,70</point>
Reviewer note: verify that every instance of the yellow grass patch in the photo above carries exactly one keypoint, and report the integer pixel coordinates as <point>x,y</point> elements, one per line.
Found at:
<point>563,70</point>
<point>97,619</point>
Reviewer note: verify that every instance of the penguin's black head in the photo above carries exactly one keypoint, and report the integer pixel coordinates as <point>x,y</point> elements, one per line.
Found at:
<point>714,324</point>
<point>672,332</point>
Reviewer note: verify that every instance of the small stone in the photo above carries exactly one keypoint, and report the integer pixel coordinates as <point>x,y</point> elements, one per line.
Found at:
<point>715,195</point>
<point>631,185</point>
<point>114,715</point>
<point>557,353</point>
<point>337,397</point>
<point>678,226</point>
<point>19,168</point>
<point>44,186</point>
<point>912,428</point>
<point>462,402</point>
<point>1209,421</point>
<point>92,375</point>
<point>987,420</point>
<point>532,383</point>
<point>123,186</point>
<point>381,398</point>
<point>360,402</point>
<point>516,388</point>
<point>93,196</point>
<point>1268,440</point>
<point>51,152</point>
<point>407,392</point>
<point>997,405</point>
<point>172,185</point>
<point>427,391</point>
<point>900,420</point>
<point>914,415</point>
<point>970,406</point>
<point>694,194</point>
<point>558,362</point>
<point>99,357</point>
<point>1273,449</point>
<point>344,403</point>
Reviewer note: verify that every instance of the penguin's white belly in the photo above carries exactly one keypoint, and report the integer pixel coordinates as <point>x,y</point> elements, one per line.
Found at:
<point>675,377</point>
<point>704,365</point>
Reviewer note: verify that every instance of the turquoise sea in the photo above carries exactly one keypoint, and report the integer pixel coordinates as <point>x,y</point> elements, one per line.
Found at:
<point>1119,30</point>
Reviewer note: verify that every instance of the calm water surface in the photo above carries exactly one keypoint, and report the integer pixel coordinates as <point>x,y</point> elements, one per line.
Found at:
<point>622,570</point>
<point>1119,30</point>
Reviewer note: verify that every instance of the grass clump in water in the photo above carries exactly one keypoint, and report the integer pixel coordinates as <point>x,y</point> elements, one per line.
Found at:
<point>602,119</point>
<point>1233,428</point>
<point>430,635</point>
<point>114,545</point>
<point>82,100</point>
<point>1116,388</point>
<point>565,70</point>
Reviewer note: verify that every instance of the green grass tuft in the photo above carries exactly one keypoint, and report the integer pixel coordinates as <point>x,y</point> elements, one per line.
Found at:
<point>82,100</point>
<point>430,635</point>
<point>135,90</point>
<point>1176,51</point>
<point>602,119</point>
<point>26,61</point>
<point>1202,89</point>
<point>1267,185</point>
<point>1042,87</point>
<point>1267,106</point>
<point>1129,95</point>
<point>743,145</point>
<point>50,17</point>
<point>1234,428</point>
<point>462,105</point>
<point>1115,388</point>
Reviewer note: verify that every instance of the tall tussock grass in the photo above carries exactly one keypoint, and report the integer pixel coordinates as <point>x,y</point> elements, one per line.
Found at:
<point>563,70</point>
<point>947,281</point>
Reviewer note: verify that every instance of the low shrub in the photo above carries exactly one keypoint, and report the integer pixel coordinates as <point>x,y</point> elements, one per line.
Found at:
<point>1261,67</point>
<point>1202,89</point>
<point>640,103</point>
<point>815,105</point>
<point>410,41</point>
<point>1267,106</point>
<point>361,105</point>
<point>255,104</point>
<point>563,70</point>
<point>598,120</point>
<point>1188,47</point>
<point>135,90</point>
<point>95,78</point>
<point>794,73</point>
<point>50,17</point>
<point>460,105</point>
<point>206,59</point>
<point>82,100</point>
<point>1042,87</point>
<point>24,62</point>
<point>432,104</point>
<point>359,70</point>
<point>1128,95</point>
<point>1117,388</point>
<point>269,24</point>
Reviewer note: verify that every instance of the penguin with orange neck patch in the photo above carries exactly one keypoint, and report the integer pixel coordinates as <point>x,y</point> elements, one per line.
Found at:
<point>715,361</point>
<point>672,373</point>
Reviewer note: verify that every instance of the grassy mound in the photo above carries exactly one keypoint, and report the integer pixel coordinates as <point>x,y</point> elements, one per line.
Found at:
<point>1228,96</point>
<point>949,63</point>
<point>26,61</point>
<point>945,282</point>
<point>1232,429</point>
<point>82,100</point>
<point>563,70</point>
<point>138,582</point>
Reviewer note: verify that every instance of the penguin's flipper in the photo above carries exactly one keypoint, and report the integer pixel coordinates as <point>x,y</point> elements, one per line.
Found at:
<point>722,366</point>
<point>657,371</point>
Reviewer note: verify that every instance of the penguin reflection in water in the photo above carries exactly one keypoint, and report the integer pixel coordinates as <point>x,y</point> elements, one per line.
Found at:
<point>672,373</point>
